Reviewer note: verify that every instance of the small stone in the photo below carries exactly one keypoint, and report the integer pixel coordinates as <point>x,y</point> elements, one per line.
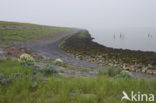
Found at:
<point>149,72</point>
<point>138,66</point>
<point>133,69</point>
<point>154,72</point>
<point>144,70</point>
<point>150,66</point>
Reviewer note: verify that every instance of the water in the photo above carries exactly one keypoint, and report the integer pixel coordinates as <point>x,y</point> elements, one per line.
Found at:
<point>131,38</point>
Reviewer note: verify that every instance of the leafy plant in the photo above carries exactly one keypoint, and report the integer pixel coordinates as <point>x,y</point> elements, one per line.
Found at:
<point>110,71</point>
<point>26,60</point>
<point>48,69</point>
<point>1,76</point>
<point>125,74</point>
<point>59,62</point>
<point>34,84</point>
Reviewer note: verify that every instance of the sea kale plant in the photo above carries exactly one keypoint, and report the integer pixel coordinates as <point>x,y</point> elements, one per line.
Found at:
<point>7,79</point>
<point>48,70</point>
<point>125,75</point>
<point>26,60</point>
<point>59,62</point>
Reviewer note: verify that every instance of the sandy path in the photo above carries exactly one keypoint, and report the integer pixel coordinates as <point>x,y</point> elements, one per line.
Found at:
<point>52,51</point>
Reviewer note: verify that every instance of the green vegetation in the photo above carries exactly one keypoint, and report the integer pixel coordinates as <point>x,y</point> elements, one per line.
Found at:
<point>12,31</point>
<point>26,60</point>
<point>8,66</point>
<point>57,89</point>
<point>109,71</point>
<point>83,35</point>
<point>48,70</point>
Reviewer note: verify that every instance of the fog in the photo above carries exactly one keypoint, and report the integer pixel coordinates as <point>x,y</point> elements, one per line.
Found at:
<point>87,14</point>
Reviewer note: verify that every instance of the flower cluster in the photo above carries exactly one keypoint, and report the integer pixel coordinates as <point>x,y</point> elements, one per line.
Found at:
<point>58,62</point>
<point>26,60</point>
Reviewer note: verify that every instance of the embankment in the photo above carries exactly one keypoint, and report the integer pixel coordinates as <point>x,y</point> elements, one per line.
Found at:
<point>82,47</point>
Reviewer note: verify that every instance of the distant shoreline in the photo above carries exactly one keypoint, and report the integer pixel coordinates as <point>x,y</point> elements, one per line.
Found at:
<point>90,51</point>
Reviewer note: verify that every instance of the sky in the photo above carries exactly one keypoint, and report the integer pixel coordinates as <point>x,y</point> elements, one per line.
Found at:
<point>81,13</point>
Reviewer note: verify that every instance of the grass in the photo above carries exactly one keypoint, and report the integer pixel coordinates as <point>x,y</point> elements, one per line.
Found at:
<point>9,66</point>
<point>57,89</point>
<point>12,31</point>
<point>83,35</point>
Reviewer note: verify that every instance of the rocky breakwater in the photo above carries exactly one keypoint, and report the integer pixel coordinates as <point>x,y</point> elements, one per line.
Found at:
<point>82,47</point>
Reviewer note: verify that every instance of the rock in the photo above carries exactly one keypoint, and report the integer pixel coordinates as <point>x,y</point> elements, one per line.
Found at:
<point>154,72</point>
<point>138,70</point>
<point>150,66</point>
<point>1,51</point>
<point>144,70</point>
<point>125,67</point>
<point>149,72</point>
<point>139,66</point>
<point>132,69</point>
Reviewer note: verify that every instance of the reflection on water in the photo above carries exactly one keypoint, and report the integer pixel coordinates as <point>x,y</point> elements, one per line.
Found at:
<point>133,38</point>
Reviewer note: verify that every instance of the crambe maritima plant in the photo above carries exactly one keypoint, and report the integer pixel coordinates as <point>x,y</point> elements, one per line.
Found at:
<point>26,60</point>
<point>58,62</point>
<point>125,75</point>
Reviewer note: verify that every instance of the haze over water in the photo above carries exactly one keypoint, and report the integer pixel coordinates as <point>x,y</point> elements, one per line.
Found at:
<point>131,38</point>
<point>105,19</point>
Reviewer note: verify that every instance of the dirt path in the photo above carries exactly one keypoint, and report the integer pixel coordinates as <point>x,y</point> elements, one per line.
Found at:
<point>52,51</point>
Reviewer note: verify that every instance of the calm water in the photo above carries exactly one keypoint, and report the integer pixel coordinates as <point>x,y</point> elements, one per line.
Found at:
<point>133,38</point>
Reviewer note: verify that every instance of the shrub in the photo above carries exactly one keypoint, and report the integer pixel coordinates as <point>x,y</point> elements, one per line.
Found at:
<point>26,60</point>
<point>59,62</point>
<point>125,74</point>
<point>48,69</point>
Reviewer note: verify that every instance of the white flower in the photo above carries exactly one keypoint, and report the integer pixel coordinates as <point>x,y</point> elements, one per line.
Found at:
<point>58,61</point>
<point>26,59</point>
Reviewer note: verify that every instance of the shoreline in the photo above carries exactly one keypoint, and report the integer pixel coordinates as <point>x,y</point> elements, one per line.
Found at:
<point>87,50</point>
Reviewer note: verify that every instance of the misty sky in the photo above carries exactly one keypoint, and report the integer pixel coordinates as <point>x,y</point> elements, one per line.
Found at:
<point>81,13</point>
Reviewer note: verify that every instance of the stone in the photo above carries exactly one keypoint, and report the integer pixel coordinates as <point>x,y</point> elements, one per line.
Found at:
<point>150,66</point>
<point>139,66</point>
<point>149,72</point>
<point>144,70</point>
<point>154,72</point>
<point>132,69</point>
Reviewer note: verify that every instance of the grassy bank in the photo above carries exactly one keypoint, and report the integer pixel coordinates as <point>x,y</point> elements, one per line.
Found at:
<point>12,32</point>
<point>58,89</point>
